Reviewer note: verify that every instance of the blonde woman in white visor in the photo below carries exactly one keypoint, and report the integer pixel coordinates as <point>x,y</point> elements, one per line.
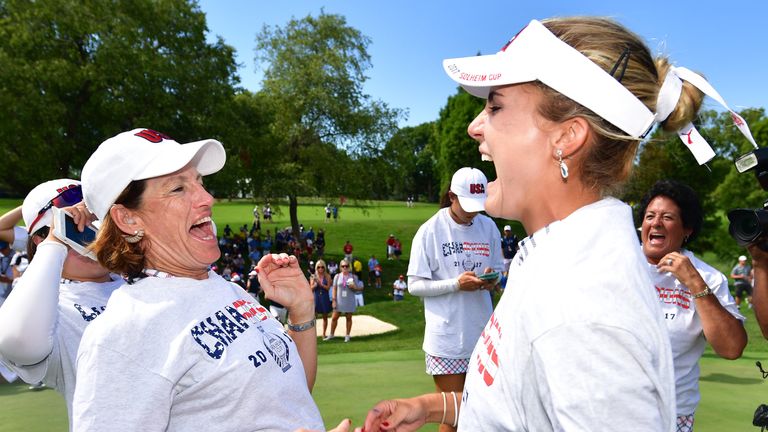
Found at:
<point>577,341</point>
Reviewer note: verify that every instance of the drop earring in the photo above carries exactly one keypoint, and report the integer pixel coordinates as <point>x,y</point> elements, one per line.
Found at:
<point>563,166</point>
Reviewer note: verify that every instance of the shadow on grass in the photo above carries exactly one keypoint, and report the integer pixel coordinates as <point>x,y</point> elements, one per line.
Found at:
<point>729,379</point>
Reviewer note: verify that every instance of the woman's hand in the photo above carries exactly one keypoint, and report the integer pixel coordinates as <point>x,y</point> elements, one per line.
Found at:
<point>468,281</point>
<point>682,268</point>
<point>401,415</point>
<point>80,215</point>
<point>284,282</point>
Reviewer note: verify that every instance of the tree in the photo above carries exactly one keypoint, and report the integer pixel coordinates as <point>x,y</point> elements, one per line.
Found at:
<point>314,76</point>
<point>410,163</point>
<point>454,148</point>
<point>73,73</point>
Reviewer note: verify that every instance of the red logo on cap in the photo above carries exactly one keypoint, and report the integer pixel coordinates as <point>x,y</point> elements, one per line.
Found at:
<point>62,189</point>
<point>152,136</point>
<point>476,188</point>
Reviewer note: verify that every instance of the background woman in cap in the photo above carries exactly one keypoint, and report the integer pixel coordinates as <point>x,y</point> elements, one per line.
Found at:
<point>578,341</point>
<point>448,253</point>
<point>180,348</point>
<point>696,304</point>
<point>58,296</point>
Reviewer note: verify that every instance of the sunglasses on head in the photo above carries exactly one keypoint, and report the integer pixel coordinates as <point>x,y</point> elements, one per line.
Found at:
<point>66,198</point>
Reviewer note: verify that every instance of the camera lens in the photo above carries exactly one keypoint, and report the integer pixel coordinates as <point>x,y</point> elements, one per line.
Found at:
<point>747,225</point>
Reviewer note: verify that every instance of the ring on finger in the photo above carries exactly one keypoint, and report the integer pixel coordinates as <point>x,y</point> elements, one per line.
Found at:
<point>669,261</point>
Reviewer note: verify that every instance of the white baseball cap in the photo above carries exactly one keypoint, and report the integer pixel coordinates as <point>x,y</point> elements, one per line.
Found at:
<point>535,53</point>
<point>742,258</point>
<point>141,154</point>
<point>469,185</point>
<point>41,196</point>
<point>507,228</point>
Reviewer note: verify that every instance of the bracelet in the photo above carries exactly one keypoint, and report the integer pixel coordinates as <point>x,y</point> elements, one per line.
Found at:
<point>707,291</point>
<point>443,420</point>
<point>455,410</point>
<point>301,327</point>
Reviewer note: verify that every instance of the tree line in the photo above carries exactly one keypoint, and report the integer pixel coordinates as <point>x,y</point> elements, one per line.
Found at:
<point>74,73</point>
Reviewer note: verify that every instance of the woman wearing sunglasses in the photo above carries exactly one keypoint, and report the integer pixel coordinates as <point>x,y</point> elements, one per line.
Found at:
<point>577,341</point>
<point>179,348</point>
<point>58,296</point>
<point>345,285</point>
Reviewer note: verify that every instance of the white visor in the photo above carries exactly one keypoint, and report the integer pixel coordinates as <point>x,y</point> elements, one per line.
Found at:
<point>537,54</point>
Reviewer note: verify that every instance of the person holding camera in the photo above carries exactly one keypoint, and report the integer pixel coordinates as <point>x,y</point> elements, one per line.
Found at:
<point>696,303</point>
<point>760,284</point>
<point>59,295</point>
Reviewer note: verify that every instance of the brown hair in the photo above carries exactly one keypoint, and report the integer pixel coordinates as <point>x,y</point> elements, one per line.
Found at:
<point>110,247</point>
<point>32,245</point>
<point>608,162</point>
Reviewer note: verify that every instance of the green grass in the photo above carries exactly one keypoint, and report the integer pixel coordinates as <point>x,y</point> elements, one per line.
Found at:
<point>353,376</point>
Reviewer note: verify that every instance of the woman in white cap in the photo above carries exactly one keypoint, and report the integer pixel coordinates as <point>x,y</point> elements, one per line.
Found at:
<point>577,342</point>
<point>57,298</point>
<point>179,348</point>
<point>696,303</point>
<point>448,253</point>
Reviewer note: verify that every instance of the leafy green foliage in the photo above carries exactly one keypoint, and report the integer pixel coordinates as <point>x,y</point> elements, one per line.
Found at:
<point>76,72</point>
<point>454,148</point>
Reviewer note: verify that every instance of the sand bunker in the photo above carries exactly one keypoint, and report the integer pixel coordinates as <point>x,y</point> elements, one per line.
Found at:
<point>362,325</point>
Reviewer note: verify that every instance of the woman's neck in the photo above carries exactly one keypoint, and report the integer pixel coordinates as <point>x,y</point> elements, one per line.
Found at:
<point>560,203</point>
<point>199,274</point>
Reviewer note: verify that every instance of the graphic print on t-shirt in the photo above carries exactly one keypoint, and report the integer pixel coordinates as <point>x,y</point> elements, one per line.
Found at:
<point>487,359</point>
<point>215,333</point>
<point>679,296</point>
<point>465,253</point>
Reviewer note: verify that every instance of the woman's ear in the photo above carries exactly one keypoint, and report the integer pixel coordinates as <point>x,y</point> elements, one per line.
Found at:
<point>126,219</point>
<point>571,136</point>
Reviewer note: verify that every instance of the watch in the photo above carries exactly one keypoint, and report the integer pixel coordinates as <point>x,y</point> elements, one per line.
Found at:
<point>707,291</point>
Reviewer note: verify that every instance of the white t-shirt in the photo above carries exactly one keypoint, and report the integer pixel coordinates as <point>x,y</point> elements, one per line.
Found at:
<point>178,354</point>
<point>678,308</point>
<point>20,237</point>
<point>399,287</point>
<point>443,249</point>
<point>576,342</point>
<point>61,312</point>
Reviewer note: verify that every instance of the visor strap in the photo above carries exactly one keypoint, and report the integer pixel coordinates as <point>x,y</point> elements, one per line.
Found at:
<point>669,94</point>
